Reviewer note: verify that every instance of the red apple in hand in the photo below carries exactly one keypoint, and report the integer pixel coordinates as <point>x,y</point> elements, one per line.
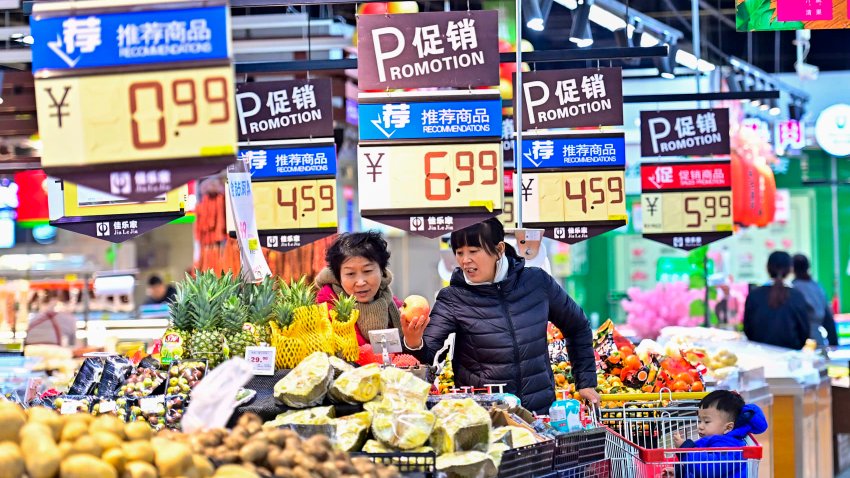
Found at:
<point>414,306</point>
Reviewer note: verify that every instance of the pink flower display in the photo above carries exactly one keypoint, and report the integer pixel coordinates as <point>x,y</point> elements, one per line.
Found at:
<point>668,304</point>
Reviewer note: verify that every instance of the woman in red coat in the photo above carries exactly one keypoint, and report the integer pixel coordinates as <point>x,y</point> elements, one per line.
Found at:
<point>357,266</point>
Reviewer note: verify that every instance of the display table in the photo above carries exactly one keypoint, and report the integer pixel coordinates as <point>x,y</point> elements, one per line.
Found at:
<point>802,428</point>
<point>763,398</point>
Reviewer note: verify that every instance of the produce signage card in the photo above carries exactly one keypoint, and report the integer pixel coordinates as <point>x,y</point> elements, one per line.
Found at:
<point>286,128</point>
<point>573,185</point>
<point>422,50</point>
<point>767,15</point>
<point>572,98</point>
<point>687,204</point>
<point>430,163</point>
<point>167,71</point>
<point>112,218</point>
<point>702,132</point>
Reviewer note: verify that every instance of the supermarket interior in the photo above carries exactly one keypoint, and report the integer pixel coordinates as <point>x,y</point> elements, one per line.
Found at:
<point>618,246</point>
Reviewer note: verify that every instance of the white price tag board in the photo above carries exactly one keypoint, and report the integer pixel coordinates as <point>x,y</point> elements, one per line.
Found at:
<point>150,404</point>
<point>70,407</point>
<point>261,359</point>
<point>107,406</point>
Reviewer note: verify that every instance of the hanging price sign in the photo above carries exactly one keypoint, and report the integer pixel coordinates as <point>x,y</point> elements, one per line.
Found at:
<point>687,205</point>
<point>165,68</point>
<point>573,186</point>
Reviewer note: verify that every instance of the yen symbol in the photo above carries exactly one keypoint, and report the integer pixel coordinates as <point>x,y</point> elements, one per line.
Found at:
<point>652,205</point>
<point>58,104</point>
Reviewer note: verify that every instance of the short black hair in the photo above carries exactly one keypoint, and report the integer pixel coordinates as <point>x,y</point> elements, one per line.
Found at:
<point>369,245</point>
<point>154,280</point>
<point>487,235</point>
<point>801,267</point>
<point>725,401</point>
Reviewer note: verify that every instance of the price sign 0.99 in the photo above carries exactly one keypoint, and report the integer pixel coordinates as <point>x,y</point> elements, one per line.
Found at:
<point>574,186</point>
<point>100,114</point>
<point>687,205</point>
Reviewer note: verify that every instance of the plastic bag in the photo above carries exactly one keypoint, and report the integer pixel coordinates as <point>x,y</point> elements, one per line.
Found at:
<point>467,464</point>
<point>214,399</point>
<point>87,377</point>
<point>462,425</point>
<point>307,384</point>
<point>116,370</point>
<point>352,431</point>
<point>310,416</point>
<point>359,385</point>
<point>402,428</point>
<point>400,387</point>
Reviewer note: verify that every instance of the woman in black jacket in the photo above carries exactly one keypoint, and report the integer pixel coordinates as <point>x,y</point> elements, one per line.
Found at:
<point>777,314</point>
<point>499,310</point>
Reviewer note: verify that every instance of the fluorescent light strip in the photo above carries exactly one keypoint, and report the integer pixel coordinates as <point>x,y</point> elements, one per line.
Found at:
<point>606,19</point>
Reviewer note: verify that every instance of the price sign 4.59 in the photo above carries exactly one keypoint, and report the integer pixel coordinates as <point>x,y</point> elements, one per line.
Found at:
<point>573,197</point>
<point>687,212</point>
<point>148,116</point>
<point>295,204</point>
<point>449,177</point>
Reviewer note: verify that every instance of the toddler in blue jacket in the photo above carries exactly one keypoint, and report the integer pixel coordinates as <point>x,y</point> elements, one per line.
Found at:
<point>725,421</point>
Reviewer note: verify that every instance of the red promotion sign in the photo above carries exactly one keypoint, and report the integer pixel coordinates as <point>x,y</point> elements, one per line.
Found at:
<point>686,176</point>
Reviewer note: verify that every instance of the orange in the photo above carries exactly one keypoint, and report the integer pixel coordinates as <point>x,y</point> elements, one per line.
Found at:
<point>685,377</point>
<point>614,358</point>
<point>632,361</point>
<point>560,379</point>
<point>697,387</point>
<point>626,350</point>
<point>680,386</point>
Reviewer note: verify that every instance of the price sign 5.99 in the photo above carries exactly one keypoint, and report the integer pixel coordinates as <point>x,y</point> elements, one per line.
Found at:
<point>295,204</point>
<point>449,177</point>
<point>166,115</point>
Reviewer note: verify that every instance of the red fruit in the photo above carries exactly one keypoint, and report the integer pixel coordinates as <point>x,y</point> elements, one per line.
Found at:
<point>414,306</point>
<point>405,360</point>
<point>367,356</point>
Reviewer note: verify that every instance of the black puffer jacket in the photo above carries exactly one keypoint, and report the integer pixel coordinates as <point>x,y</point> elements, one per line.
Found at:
<point>501,333</point>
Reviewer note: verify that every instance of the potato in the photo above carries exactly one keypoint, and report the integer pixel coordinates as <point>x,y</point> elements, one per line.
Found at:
<point>47,417</point>
<point>41,455</point>
<point>116,458</point>
<point>139,469</point>
<point>11,461</point>
<point>110,424</point>
<point>138,450</point>
<point>254,451</point>
<point>12,419</point>
<point>84,466</point>
<point>107,440</point>
<point>203,466</point>
<point>78,417</point>
<point>87,445</point>
<point>66,449</point>
<point>234,471</point>
<point>138,431</point>
<point>173,460</point>
<point>74,430</point>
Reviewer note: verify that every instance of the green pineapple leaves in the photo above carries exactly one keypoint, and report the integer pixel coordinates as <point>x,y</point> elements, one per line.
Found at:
<point>758,15</point>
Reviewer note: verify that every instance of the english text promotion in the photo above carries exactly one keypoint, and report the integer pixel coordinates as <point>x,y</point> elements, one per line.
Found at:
<point>573,98</point>
<point>437,49</point>
<point>278,110</point>
<point>702,132</point>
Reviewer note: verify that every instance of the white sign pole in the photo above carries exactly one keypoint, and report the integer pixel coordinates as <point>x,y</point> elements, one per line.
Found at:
<point>517,94</point>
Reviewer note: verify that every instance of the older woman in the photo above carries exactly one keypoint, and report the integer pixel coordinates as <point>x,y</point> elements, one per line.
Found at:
<point>357,266</point>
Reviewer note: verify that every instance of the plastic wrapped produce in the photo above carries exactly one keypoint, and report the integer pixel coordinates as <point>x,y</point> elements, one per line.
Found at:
<point>403,428</point>
<point>358,385</point>
<point>400,386</point>
<point>462,425</point>
<point>116,370</point>
<point>307,384</point>
<point>515,437</point>
<point>87,377</point>
<point>310,416</point>
<point>142,383</point>
<point>352,431</point>
<point>374,446</point>
<point>467,464</point>
<point>340,366</point>
<point>496,451</point>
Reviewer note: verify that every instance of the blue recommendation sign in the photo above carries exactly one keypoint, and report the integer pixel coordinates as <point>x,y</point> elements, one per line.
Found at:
<point>574,152</point>
<point>129,38</point>
<point>276,163</point>
<point>430,120</point>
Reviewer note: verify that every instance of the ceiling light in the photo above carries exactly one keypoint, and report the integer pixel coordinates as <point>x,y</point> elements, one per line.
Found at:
<point>666,65</point>
<point>535,13</point>
<point>774,109</point>
<point>580,33</point>
<point>584,40</point>
<point>606,19</point>
<point>29,40</point>
<point>648,40</point>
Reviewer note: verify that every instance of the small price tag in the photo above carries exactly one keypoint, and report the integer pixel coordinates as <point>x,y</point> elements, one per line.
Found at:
<point>532,235</point>
<point>70,407</point>
<point>149,404</point>
<point>261,359</point>
<point>108,406</point>
<point>253,244</point>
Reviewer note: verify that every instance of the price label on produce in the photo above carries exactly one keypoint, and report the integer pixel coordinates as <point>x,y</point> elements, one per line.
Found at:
<point>151,404</point>
<point>687,205</point>
<point>70,407</point>
<point>170,116</point>
<point>261,359</point>
<point>573,186</point>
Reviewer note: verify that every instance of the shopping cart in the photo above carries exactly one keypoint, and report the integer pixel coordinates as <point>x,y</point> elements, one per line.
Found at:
<point>639,443</point>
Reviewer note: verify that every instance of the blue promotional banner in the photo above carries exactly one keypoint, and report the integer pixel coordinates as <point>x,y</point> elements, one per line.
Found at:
<point>276,163</point>
<point>574,152</point>
<point>129,38</point>
<point>430,120</point>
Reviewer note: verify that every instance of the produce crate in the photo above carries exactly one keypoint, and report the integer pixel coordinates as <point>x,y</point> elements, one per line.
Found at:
<point>595,469</point>
<point>409,464</point>
<point>579,448</point>
<point>533,461</point>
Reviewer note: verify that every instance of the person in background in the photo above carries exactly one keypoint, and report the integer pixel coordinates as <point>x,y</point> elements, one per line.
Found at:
<point>357,265</point>
<point>53,324</point>
<point>776,314</point>
<point>499,310</point>
<point>159,292</point>
<point>821,313</point>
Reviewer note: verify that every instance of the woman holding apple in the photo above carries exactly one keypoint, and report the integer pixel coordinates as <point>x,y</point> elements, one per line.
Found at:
<point>357,265</point>
<point>499,310</point>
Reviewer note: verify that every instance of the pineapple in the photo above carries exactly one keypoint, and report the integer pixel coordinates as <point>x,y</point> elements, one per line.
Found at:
<point>344,308</point>
<point>260,299</point>
<point>299,294</point>
<point>208,296</point>
<point>238,333</point>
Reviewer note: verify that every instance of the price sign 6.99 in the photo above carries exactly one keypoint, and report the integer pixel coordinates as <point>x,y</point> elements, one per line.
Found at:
<point>120,118</point>
<point>295,204</point>
<point>450,177</point>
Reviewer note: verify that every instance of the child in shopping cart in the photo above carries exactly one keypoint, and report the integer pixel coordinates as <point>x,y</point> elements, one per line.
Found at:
<point>725,421</point>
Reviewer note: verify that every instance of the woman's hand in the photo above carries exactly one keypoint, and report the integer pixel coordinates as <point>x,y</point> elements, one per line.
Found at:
<point>413,330</point>
<point>590,395</point>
